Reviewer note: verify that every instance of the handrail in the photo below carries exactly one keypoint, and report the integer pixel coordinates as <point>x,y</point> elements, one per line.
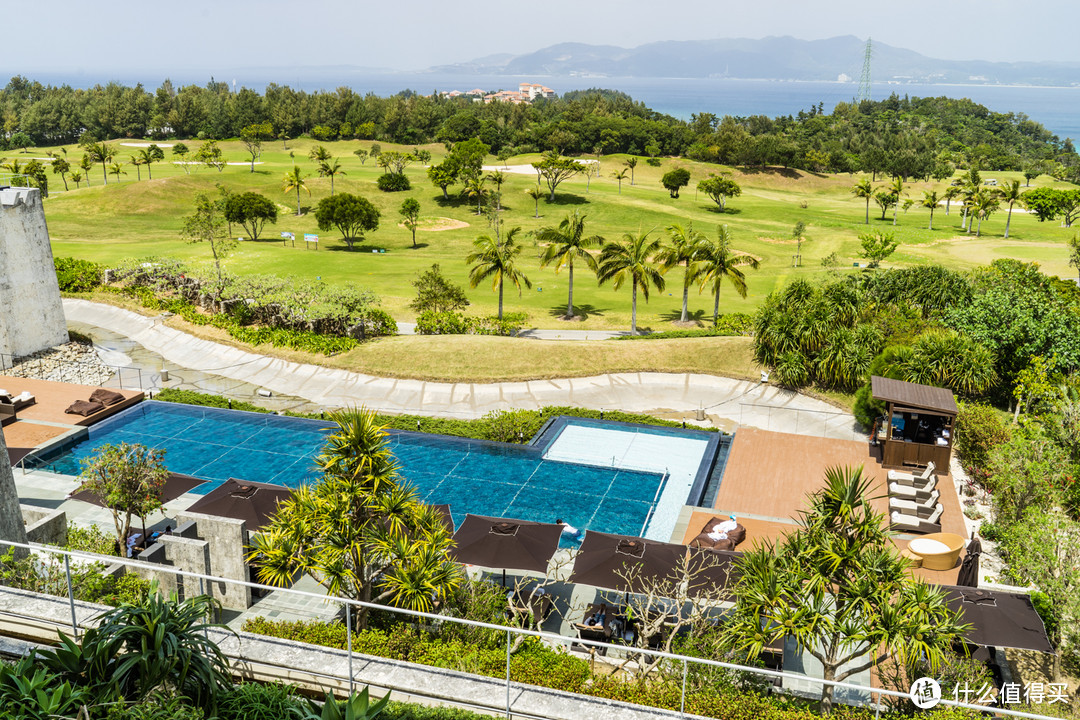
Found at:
<point>542,635</point>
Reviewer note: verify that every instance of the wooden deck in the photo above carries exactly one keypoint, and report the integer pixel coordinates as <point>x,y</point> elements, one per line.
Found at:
<point>45,420</point>
<point>769,476</point>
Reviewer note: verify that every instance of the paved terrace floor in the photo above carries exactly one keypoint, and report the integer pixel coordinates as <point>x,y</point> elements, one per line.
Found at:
<point>769,475</point>
<point>726,402</point>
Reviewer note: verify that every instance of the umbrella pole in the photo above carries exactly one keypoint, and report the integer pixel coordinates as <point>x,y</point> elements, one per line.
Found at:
<point>504,577</point>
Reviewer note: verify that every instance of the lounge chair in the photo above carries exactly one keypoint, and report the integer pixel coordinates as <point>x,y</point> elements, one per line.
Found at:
<point>106,397</point>
<point>905,478</point>
<point>734,537</point>
<point>912,492</point>
<point>921,508</point>
<point>909,524</point>
<point>84,408</point>
<point>7,414</point>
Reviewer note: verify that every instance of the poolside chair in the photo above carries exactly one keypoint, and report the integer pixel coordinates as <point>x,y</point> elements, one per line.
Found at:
<point>7,414</point>
<point>921,508</point>
<point>23,399</point>
<point>912,492</point>
<point>911,524</point>
<point>905,478</point>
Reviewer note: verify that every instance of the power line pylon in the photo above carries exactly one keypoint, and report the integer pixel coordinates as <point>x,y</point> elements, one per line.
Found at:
<point>864,83</point>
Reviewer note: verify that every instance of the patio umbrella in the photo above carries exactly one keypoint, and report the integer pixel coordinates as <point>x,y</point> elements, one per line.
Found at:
<point>711,569</point>
<point>603,556</point>
<point>254,503</point>
<point>506,543</point>
<point>969,568</point>
<point>998,618</point>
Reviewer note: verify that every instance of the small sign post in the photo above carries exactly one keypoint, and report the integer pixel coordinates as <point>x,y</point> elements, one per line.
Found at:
<point>309,238</point>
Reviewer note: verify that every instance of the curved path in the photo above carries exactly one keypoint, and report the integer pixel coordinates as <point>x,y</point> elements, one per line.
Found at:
<point>722,401</point>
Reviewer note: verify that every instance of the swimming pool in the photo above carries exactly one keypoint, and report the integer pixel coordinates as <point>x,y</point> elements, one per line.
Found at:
<point>479,477</point>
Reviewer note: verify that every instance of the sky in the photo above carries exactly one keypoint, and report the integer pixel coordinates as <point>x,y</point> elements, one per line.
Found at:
<point>114,37</point>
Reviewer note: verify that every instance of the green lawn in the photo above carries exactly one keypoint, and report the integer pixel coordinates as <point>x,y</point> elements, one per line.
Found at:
<point>138,219</point>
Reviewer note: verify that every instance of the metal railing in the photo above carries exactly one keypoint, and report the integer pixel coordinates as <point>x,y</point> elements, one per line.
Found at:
<point>548,637</point>
<point>814,423</point>
<point>57,369</point>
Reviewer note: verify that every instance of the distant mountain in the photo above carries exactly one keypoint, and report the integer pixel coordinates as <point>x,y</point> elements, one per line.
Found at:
<point>771,58</point>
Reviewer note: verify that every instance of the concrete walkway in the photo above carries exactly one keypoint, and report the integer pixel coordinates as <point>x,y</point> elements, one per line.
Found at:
<point>703,398</point>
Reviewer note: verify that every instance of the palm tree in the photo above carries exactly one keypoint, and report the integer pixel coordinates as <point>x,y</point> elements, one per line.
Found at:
<point>329,168</point>
<point>683,246</point>
<point>498,177</point>
<point>86,163</point>
<point>536,193</point>
<point>61,167</point>
<point>983,205</point>
<point>631,260</point>
<point>631,163</point>
<point>930,200</point>
<point>564,244</point>
<point>863,189</point>
<point>319,154</point>
<point>1010,192</point>
<point>294,180</point>
<point>101,153</point>
<point>619,175</point>
<point>138,163</point>
<point>474,188</point>
<point>716,261</point>
<point>495,260</point>
<point>970,185</point>
<point>951,193</point>
<point>117,169</point>
<point>77,177</point>
<point>896,187</point>
<point>149,156</point>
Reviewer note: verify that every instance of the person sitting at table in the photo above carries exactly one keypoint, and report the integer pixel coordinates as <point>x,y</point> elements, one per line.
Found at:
<point>598,618</point>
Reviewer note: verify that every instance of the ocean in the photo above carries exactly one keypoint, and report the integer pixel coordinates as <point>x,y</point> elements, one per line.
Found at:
<point>1056,108</point>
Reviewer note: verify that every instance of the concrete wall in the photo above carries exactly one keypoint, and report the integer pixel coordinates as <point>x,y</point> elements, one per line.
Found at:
<point>31,315</point>
<point>45,525</point>
<point>228,540</point>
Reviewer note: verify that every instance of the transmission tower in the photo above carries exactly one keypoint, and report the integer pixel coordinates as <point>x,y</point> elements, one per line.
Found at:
<point>864,83</point>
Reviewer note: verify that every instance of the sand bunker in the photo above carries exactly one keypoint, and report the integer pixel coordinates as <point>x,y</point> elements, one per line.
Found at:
<point>437,224</point>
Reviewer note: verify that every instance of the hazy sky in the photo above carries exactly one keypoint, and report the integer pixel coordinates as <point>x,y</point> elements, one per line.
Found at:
<point>410,34</point>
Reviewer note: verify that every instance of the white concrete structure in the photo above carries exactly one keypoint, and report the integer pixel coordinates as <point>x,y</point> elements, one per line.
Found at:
<point>31,314</point>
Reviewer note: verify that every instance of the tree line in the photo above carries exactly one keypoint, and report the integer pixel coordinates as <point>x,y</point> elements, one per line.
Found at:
<point>902,137</point>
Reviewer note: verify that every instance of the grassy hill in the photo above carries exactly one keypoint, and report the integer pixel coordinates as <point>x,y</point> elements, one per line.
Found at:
<point>137,219</point>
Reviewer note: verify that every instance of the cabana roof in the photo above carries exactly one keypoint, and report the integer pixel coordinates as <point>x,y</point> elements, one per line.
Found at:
<point>913,395</point>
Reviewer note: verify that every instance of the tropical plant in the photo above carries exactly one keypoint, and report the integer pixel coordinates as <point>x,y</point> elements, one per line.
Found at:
<point>410,210</point>
<point>555,169</point>
<point>631,163</point>
<point>885,200</point>
<point>535,193</point>
<point>357,706</point>
<point>361,532</point>
<point>32,692</point>
<point>620,175</point>
<point>204,225</point>
<point>837,586</point>
<point>495,258</point>
<point>716,261</point>
<point>128,480</point>
<point>251,210</point>
<point>983,204</point>
<point>720,188</point>
<point>498,177</point>
<point>474,188</point>
<point>99,152</point>
<point>294,181</point>
<point>351,214</point>
<point>319,154</point>
<point>675,180</point>
<point>896,188</point>
<point>116,169</point>
<point>1074,251</point>
<point>61,167</point>
<point>1011,193</point>
<point>877,246</point>
<point>683,245</point>
<point>77,177</point>
<point>564,244</point>
<point>330,168</point>
<point>631,260</point>
<point>86,163</point>
<point>930,201</point>
<point>435,293</point>
<point>951,193</point>
<point>864,190</point>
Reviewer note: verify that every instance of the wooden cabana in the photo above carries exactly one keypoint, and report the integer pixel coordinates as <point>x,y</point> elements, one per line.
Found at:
<point>918,423</point>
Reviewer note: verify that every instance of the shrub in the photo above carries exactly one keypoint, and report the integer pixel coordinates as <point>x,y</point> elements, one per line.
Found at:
<point>979,429</point>
<point>248,701</point>
<point>726,326</point>
<point>393,182</point>
<point>430,322</point>
<point>511,425</point>
<point>90,538</point>
<point>77,275</point>
<point>991,531</point>
<point>190,397</point>
<point>1050,615</point>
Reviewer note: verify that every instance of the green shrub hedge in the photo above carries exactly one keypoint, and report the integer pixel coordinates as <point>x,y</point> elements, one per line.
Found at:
<point>430,322</point>
<point>731,324</point>
<point>190,397</point>
<point>77,275</point>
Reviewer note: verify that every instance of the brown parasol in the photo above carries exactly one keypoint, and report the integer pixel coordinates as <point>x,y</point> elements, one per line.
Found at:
<point>254,503</point>
<point>603,557</point>
<point>502,543</point>
<point>999,619</point>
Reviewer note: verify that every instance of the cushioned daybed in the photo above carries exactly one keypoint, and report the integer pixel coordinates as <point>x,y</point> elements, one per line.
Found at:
<point>734,537</point>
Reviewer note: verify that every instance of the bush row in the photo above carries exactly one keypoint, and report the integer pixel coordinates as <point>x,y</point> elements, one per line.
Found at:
<point>726,326</point>
<point>190,397</point>
<point>430,322</point>
<point>77,275</point>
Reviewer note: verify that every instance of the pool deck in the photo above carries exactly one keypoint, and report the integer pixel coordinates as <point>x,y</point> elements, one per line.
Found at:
<point>769,475</point>
<point>44,421</point>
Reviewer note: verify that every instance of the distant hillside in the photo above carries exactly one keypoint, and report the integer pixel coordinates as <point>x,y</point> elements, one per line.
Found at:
<point>773,58</point>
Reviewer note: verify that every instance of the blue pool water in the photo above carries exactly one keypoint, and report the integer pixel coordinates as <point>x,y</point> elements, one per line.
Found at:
<point>471,476</point>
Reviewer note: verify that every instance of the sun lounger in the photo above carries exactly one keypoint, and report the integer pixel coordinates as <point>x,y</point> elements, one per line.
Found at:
<point>19,401</point>
<point>106,397</point>
<point>7,414</point>
<point>909,524</point>
<point>921,508</point>
<point>84,408</point>
<point>912,492</point>
<point>734,537</point>
<point>912,478</point>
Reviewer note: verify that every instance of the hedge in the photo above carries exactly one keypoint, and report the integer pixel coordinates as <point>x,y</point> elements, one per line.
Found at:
<point>730,325</point>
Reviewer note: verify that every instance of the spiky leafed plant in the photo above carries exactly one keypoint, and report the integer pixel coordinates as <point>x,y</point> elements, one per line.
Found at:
<point>864,190</point>
<point>361,532</point>
<point>683,245</point>
<point>566,243</point>
<point>716,262</point>
<point>930,201</point>
<point>896,187</point>
<point>294,181</point>
<point>631,260</point>
<point>1010,192</point>
<point>951,193</point>
<point>838,587</point>
<point>330,168</point>
<point>497,259</point>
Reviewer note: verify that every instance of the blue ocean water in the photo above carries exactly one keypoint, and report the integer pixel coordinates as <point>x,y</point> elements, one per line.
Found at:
<point>472,477</point>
